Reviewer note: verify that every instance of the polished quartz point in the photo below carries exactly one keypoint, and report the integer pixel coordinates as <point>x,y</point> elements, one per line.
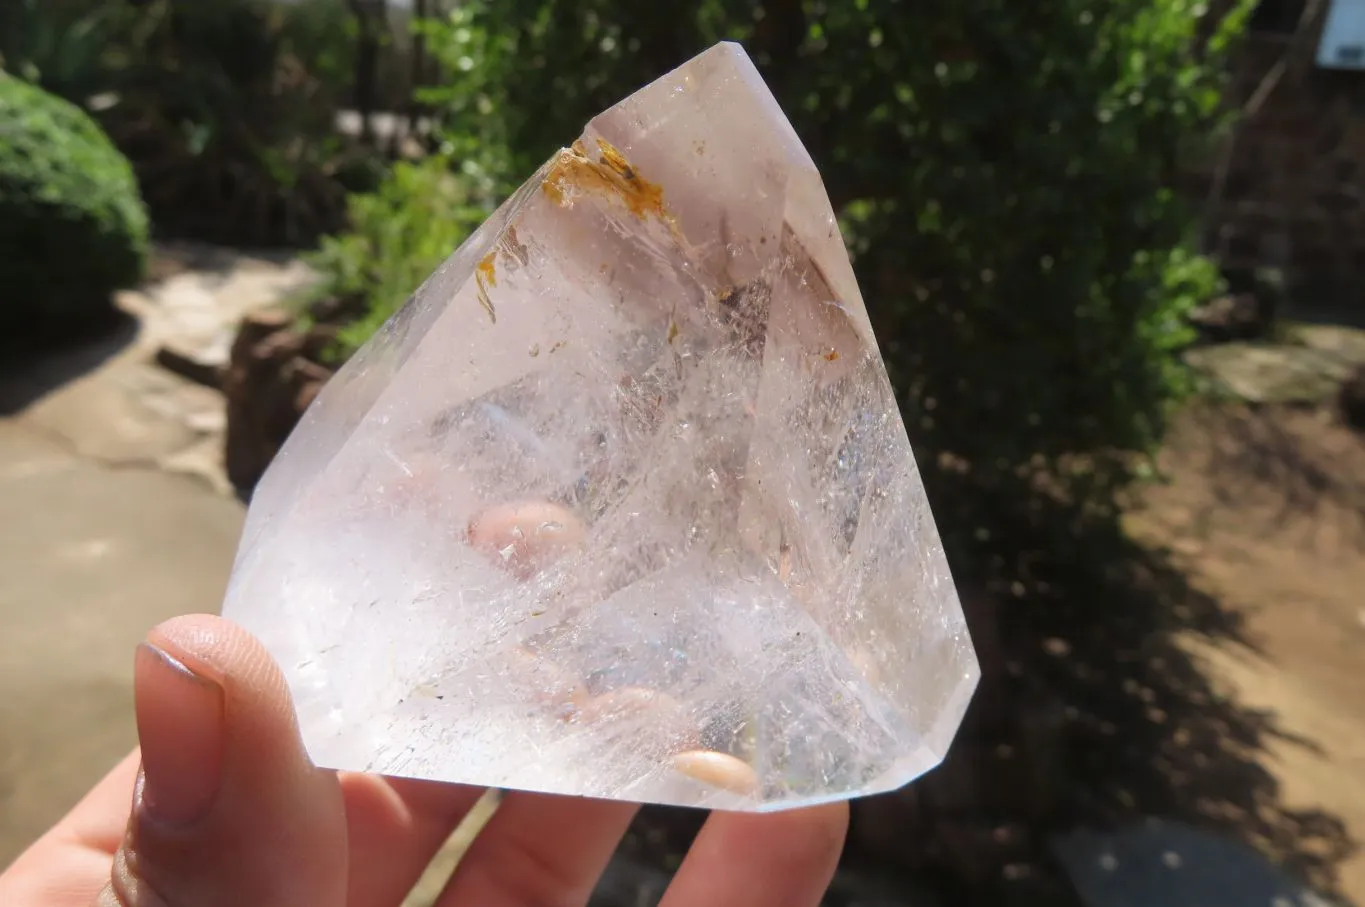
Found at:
<point>621,504</point>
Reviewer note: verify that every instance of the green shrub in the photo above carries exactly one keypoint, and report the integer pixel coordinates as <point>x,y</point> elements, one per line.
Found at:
<point>1004,174</point>
<point>398,235</point>
<point>72,226</point>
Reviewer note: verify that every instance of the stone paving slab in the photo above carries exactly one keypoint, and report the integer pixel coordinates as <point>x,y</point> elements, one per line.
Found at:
<point>114,515</point>
<point>1166,864</point>
<point>195,312</point>
<point>91,556</point>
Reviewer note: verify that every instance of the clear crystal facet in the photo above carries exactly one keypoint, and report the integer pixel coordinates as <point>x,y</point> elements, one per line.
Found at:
<point>621,504</point>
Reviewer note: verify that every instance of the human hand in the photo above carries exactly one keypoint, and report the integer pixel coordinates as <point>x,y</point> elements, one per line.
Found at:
<point>227,811</point>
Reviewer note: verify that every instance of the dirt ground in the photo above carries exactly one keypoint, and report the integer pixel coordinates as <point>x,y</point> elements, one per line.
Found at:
<point>1264,513</point>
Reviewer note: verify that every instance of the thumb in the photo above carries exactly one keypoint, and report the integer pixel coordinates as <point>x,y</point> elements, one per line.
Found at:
<point>228,810</point>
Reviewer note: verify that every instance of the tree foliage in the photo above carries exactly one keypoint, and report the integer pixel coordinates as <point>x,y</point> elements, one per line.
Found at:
<point>1004,172</point>
<point>227,108</point>
<point>398,235</point>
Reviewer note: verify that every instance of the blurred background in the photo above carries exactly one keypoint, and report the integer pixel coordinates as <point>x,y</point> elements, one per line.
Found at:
<point>1113,250</point>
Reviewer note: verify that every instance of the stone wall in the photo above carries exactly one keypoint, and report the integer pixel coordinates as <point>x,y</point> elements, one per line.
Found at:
<point>1288,189</point>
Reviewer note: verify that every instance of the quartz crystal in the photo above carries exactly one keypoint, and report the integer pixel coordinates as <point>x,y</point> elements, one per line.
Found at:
<point>620,504</point>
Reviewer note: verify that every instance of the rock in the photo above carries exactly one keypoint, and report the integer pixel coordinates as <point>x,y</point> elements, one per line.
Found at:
<point>1165,864</point>
<point>320,340</point>
<point>191,364</point>
<point>1236,316</point>
<point>1335,341</point>
<point>307,379</point>
<point>1265,373</point>
<point>268,384</point>
<point>257,326</point>
<point>191,310</point>
<point>1351,399</point>
<point>1315,364</point>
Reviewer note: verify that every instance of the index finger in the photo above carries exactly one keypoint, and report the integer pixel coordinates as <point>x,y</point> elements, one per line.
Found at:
<point>783,859</point>
<point>395,827</point>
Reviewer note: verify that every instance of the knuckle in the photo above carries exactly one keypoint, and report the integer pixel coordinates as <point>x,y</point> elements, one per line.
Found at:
<point>127,887</point>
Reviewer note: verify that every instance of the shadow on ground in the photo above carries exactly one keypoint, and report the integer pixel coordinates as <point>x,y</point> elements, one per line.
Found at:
<point>31,370</point>
<point>1115,720</point>
<point>1280,462</point>
<point>1094,714</point>
<point>34,363</point>
<point>1324,302</point>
